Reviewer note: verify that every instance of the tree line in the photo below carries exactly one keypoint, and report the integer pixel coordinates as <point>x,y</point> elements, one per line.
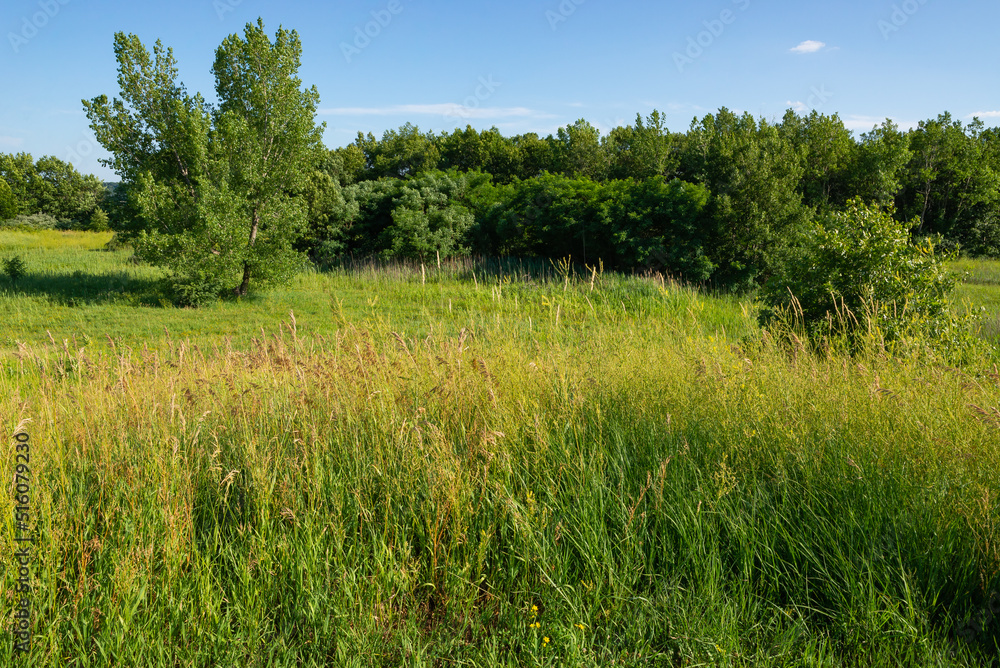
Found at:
<point>718,201</point>
<point>50,193</point>
<point>237,193</point>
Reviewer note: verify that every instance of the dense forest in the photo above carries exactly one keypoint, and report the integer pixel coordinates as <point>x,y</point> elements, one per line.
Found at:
<point>716,203</point>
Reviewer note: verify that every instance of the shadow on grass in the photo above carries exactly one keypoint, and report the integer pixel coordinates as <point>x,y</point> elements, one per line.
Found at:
<point>79,287</point>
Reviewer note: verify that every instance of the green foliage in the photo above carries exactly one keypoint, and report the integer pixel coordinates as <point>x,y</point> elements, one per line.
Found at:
<point>15,268</point>
<point>627,224</point>
<point>753,173</point>
<point>399,153</point>
<point>158,138</point>
<point>196,287</point>
<point>952,183</point>
<point>212,184</point>
<point>577,151</point>
<point>554,216</point>
<point>642,151</point>
<point>859,273</point>
<point>35,221</point>
<point>8,204</point>
<point>660,226</point>
<point>427,221</point>
<point>489,151</point>
<point>824,147</point>
<point>267,142</point>
<point>878,165</point>
<point>60,191</point>
<point>536,154</point>
<point>322,192</point>
<point>764,179</point>
<point>763,182</point>
<point>49,186</point>
<point>98,221</point>
<point>346,164</point>
<point>124,215</point>
<point>428,215</point>
<point>18,171</point>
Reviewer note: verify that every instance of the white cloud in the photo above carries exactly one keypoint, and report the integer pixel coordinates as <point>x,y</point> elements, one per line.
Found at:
<point>808,46</point>
<point>11,142</point>
<point>449,109</point>
<point>797,107</point>
<point>985,114</point>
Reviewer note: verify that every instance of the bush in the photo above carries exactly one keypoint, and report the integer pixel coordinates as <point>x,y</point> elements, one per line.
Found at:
<point>419,217</point>
<point>650,224</point>
<point>195,288</point>
<point>859,272</point>
<point>428,218</point>
<point>98,221</point>
<point>15,268</point>
<point>34,221</point>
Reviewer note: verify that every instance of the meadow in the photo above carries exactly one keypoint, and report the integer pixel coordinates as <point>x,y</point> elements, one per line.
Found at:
<point>980,287</point>
<point>485,464</point>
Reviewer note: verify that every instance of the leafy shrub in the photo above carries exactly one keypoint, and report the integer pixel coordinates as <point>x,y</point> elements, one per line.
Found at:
<point>425,223</point>
<point>327,253</point>
<point>626,224</point>
<point>34,221</point>
<point>417,217</point>
<point>15,268</point>
<point>858,272</point>
<point>98,221</point>
<point>117,243</point>
<point>196,288</point>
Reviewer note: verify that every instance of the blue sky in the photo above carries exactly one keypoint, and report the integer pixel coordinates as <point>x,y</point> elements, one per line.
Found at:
<point>523,66</point>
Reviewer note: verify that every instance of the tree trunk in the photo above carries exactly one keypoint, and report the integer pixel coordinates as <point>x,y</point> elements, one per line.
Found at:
<point>241,291</point>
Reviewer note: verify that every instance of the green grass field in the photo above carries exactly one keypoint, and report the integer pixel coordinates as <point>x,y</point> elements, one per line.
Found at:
<point>981,288</point>
<point>456,467</point>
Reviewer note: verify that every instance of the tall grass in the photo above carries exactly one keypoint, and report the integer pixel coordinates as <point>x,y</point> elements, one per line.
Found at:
<point>980,289</point>
<point>418,467</point>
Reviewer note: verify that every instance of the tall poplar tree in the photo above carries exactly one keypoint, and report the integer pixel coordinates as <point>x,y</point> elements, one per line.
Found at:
<point>214,184</point>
